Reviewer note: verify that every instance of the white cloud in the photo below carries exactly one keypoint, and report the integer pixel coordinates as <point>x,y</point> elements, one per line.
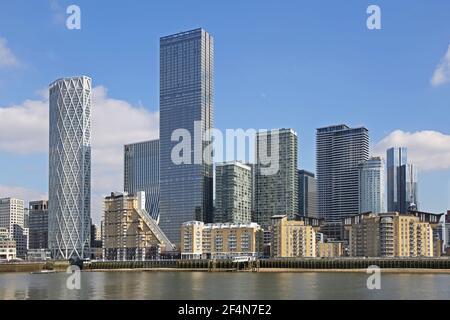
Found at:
<point>7,57</point>
<point>24,130</point>
<point>442,73</point>
<point>21,193</point>
<point>430,150</point>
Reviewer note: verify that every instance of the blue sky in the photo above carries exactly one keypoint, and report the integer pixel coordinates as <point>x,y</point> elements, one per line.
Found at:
<point>299,64</point>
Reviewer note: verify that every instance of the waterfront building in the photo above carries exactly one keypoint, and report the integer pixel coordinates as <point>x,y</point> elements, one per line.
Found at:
<point>339,150</point>
<point>276,192</point>
<point>12,217</point>
<point>7,246</point>
<point>129,231</point>
<point>372,185</point>
<point>329,249</point>
<point>69,205</point>
<point>402,191</point>
<point>39,255</point>
<point>141,173</point>
<point>233,202</point>
<point>389,235</point>
<point>38,224</point>
<point>292,238</point>
<point>186,106</point>
<point>447,231</point>
<point>220,240</point>
<point>307,194</point>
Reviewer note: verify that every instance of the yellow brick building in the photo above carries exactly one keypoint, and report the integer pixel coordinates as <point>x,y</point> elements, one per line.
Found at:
<point>220,240</point>
<point>129,231</point>
<point>292,238</point>
<point>390,235</point>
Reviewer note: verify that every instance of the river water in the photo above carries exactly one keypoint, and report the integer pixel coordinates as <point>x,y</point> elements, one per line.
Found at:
<point>236,286</point>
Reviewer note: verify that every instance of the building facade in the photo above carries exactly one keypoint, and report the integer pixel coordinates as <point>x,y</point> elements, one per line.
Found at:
<point>141,173</point>
<point>307,194</point>
<point>38,224</point>
<point>390,235</point>
<point>292,238</point>
<point>372,186</point>
<point>329,249</point>
<point>402,181</point>
<point>12,217</point>
<point>276,192</point>
<point>129,231</point>
<point>339,150</point>
<point>186,108</point>
<point>233,193</point>
<point>69,202</point>
<point>220,240</point>
<point>7,246</point>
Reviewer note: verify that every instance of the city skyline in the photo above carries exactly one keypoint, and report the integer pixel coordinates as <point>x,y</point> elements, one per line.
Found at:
<point>434,179</point>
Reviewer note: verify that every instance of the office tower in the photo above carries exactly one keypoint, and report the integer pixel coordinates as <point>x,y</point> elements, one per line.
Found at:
<point>141,173</point>
<point>371,186</point>
<point>129,231</point>
<point>292,238</point>
<point>186,103</point>
<point>233,193</point>
<point>12,214</point>
<point>339,150</point>
<point>401,181</point>
<point>69,205</point>
<point>276,192</point>
<point>38,224</point>
<point>220,240</point>
<point>307,194</point>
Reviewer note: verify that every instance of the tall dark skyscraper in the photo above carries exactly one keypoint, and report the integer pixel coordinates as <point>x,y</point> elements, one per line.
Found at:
<point>339,150</point>
<point>307,194</point>
<point>186,102</point>
<point>402,190</point>
<point>38,224</point>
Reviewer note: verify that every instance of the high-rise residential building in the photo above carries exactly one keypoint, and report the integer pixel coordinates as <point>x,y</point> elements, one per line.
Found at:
<point>372,186</point>
<point>276,192</point>
<point>292,238</point>
<point>339,150</point>
<point>233,193</point>
<point>220,240</point>
<point>141,173</point>
<point>7,246</point>
<point>307,194</point>
<point>186,108</point>
<point>12,219</point>
<point>38,224</point>
<point>389,235</point>
<point>69,205</point>
<point>129,231</point>
<point>402,190</point>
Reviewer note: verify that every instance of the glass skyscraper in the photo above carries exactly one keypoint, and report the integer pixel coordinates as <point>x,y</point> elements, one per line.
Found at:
<point>339,150</point>
<point>69,204</point>
<point>372,186</point>
<point>277,193</point>
<point>186,102</point>
<point>307,194</point>
<point>402,179</point>
<point>141,173</point>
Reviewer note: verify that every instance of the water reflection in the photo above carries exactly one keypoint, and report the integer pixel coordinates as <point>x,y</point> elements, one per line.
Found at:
<point>235,286</point>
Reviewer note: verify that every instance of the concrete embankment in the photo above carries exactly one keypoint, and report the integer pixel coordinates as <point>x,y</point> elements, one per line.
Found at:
<point>57,266</point>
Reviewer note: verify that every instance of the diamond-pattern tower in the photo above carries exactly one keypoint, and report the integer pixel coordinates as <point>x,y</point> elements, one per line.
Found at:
<point>70,168</point>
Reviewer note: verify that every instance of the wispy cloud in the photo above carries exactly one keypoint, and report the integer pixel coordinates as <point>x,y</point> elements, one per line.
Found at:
<point>57,11</point>
<point>442,73</point>
<point>7,57</point>
<point>430,150</point>
<point>24,130</point>
<point>21,193</point>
